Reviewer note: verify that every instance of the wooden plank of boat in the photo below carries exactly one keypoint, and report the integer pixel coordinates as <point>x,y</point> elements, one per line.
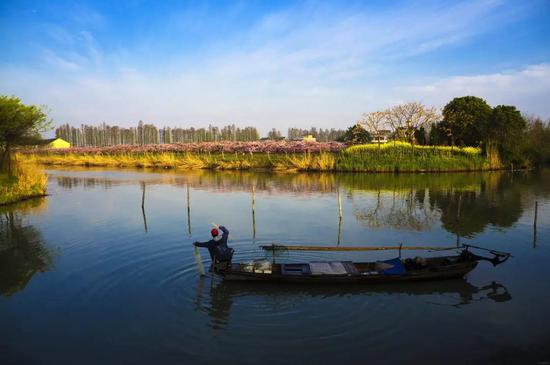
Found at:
<point>447,267</point>
<point>274,247</point>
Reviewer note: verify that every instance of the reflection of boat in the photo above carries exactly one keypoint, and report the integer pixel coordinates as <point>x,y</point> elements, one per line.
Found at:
<point>221,296</point>
<point>467,292</point>
<point>390,271</point>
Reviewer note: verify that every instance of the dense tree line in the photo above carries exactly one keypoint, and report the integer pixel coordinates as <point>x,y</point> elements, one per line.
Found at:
<point>504,134</point>
<point>106,135</point>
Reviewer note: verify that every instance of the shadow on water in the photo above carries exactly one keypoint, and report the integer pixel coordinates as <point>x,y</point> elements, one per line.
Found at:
<point>216,297</point>
<point>22,250</point>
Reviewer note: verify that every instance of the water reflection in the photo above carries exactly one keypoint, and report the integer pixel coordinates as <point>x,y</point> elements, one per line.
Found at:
<point>464,209</point>
<point>22,249</point>
<point>216,297</point>
<point>405,209</point>
<point>497,202</point>
<point>465,204</point>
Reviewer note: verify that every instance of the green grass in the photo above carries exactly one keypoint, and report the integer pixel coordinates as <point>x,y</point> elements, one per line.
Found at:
<point>25,182</point>
<point>402,157</point>
<point>391,157</point>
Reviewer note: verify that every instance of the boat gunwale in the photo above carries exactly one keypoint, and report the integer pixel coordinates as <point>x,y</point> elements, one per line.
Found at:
<point>433,272</point>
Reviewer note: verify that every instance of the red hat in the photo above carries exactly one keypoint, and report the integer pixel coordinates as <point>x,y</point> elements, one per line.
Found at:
<point>214,232</point>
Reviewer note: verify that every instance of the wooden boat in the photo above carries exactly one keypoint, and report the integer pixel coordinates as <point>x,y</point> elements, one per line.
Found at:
<point>337,272</point>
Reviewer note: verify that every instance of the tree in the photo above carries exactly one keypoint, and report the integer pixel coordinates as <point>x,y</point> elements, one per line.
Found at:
<point>19,125</point>
<point>356,134</point>
<point>274,134</point>
<point>374,122</point>
<point>536,146</point>
<point>504,132</point>
<point>464,118</point>
<point>407,118</point>
<point>421,136</point>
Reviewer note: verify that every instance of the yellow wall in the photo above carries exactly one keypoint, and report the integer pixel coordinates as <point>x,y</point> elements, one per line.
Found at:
<point>59,143</point>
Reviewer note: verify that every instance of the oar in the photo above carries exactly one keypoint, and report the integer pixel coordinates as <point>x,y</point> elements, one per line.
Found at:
<point>348,248</point>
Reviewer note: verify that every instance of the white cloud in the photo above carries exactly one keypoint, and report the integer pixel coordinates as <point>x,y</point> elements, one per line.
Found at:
<point>301,67</point>
<point>527,88</point>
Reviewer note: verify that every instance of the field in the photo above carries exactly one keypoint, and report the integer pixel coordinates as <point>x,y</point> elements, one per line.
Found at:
<point>301,156</point>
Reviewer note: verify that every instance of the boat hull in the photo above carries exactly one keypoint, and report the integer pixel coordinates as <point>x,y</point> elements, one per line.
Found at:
<point>433,272</point>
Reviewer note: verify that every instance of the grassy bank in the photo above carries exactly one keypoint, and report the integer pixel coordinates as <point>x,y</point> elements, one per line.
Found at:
<point>393,157</point>
<point>402,157</point>
<point>25,182</point>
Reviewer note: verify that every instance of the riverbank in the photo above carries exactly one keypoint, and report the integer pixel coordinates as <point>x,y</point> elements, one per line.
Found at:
<point>391,157</point>
<point>26,182</point>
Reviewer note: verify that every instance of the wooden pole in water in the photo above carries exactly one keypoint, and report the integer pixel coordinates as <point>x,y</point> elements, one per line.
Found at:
<point>253,211</point>
<point>536,213</point>
<point>188,211</point>
<point>339,230</point>
<point>458,220</point>
<point>142,195</point>
<point>339,216</point>
<point>143,206</point>
<point>535,224</point>
<point>339,205</point>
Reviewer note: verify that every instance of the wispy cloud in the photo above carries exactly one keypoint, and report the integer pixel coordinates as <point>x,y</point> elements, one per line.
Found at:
<point>528,88</point>
<point>59,62</point>
<point>308,64</point>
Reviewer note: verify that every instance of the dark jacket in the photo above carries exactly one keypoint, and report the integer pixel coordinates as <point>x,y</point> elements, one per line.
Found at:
<point>218,249</point>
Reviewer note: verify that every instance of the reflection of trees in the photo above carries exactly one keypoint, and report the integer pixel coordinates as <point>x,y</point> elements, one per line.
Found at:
<point>465,209</point>
<point>406,209</point>
<point>22,251</point>
<point>497,202</point>
<point>90,182</point>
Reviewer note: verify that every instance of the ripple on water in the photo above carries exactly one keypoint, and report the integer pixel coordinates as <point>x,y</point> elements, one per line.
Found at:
<point>258,315</point>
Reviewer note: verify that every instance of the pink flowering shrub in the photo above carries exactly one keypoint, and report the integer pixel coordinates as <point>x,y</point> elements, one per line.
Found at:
<point>213,147</point>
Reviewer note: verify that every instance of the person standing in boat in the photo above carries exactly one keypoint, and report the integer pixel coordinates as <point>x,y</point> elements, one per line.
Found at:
<point>220,253</point>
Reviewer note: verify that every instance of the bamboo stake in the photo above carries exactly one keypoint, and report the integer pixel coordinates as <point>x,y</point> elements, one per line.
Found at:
<point>188,211</point>
<point>143,206</point>
<point>339,205</point>
<point>339,217</point>
<point>535,224</point>
<point>536,213</point>
<point>253,211</point>
<point>330,248</point>
<point>339,230</point>
<point>142,195</point>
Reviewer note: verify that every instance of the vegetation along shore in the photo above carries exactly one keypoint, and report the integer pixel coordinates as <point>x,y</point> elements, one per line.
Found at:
<point>466,135</point>
<point>20,125</point>
<point>280,156</point>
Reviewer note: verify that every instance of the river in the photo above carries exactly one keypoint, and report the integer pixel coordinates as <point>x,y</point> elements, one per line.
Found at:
<point>87,276</point>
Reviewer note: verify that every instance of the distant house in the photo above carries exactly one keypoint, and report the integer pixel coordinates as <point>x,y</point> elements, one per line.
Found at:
<point>55,143</point>
<point>308,138</point>
<point>382,136</point>
<point>400,134</point>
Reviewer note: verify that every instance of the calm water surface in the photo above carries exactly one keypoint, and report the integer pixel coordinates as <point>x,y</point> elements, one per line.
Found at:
<point>88,277</point>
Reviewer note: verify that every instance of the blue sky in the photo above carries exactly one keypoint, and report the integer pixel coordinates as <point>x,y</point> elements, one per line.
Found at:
<point>270,63</point>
